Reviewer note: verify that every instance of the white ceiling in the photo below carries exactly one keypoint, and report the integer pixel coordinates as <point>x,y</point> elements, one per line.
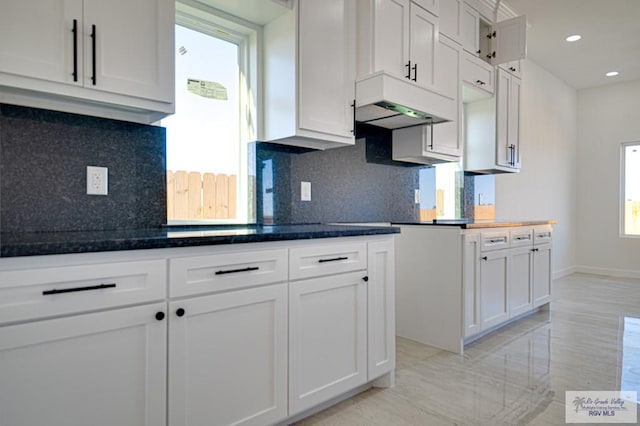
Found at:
<point>610,41</point>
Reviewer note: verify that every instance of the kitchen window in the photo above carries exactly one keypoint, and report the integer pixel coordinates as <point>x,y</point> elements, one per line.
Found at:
<point>630,189</point>
<point>208,136</point>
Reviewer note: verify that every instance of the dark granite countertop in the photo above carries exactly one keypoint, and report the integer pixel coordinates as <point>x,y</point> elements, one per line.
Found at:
<point>469,224</point>
<point>43,243</point>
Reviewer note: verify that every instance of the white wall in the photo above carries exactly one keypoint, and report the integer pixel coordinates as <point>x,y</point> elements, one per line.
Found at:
<point>545,188</point>
<point>607,116</point>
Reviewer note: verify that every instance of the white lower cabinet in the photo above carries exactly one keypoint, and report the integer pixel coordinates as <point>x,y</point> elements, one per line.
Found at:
<point>520,281</point>
<point>228,358</point>
<point>471,284</point>
<point>106,368</point>
<point>541,274</point>
<point>381,308</point>
<point>483,278</point>
<point>327,338</point>
<point>94,339</point>
<point>494,288</point>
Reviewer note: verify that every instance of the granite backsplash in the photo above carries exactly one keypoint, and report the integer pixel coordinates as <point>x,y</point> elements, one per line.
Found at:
<point>358,183</point>
<point>43,160</point>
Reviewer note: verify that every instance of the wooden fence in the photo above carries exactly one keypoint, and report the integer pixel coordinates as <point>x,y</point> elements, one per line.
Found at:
<point>192,195</point>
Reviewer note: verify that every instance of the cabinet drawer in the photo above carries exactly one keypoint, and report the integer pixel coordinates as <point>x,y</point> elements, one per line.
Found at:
<point>494,240</point>
<point>44,292</point>
<point>315,261</point>
<point>478,73</point>
<point>542,234</point>
<point>226,271</point>
<point>521,237</point>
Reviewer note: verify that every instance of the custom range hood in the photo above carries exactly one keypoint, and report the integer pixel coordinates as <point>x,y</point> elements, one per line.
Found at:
<point>385,100</point>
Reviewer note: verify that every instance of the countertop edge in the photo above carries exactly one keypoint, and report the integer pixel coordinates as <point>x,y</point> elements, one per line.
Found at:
<point>70,246</point>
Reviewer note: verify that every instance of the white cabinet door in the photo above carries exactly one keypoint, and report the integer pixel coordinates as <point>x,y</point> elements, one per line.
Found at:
<point>513,130</point>
<point>309,75</point>
<point>391,37</point>
<point>471,284</point>
<point>107,369</point>
<point>507,120</point>
<point>423,45</point>
<point>36,40</point>
<point>228,358</point>
<point>503,150</point>
<point>520,292</point>
<point>494,288</point>
<point>133,50</point>
<point>326,67</point>
<point>450,19</point>
<point>381,308</point>
<point>327,338</point>
<point>509,40</point>
<point>447,137</point>
<point>541,274</point>
<point>471,30</point>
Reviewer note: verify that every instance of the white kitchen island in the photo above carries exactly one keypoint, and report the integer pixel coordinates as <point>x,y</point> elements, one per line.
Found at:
<point>458,282</point>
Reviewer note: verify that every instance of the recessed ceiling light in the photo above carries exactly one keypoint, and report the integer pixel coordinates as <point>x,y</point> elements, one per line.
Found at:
<point>575,37</point>
<point>612,73</point>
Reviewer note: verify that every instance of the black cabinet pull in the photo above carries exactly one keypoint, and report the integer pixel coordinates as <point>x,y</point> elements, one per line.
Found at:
<point>478,51</point>
<point>431,141</point>
<point>365,279</point>
<point>74,289</point>
<point>335,259</point>
<point>180,312</point>
<point>353,108</point>
<point>159,316</point>
<point>415,73</point>
<point>484,258</point>
<point>408,70</point>
<point>93,57</point>
<point>512,154</point>
<point>235,271</point>
<point>75,50</point>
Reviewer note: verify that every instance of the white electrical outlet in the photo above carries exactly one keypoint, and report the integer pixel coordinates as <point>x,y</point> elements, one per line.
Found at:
<point>416,196</point>
<point>305,191</point>
<point>97,180</point>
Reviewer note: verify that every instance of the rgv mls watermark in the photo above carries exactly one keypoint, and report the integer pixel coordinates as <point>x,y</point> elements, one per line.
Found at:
<point>601,407</point>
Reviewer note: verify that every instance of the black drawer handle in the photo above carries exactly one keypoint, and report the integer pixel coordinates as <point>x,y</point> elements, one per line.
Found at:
<point>235,271</point>
<point>500,240</point>
<point>334,259</point>
<point>484,258</point>
<point>71,290</point>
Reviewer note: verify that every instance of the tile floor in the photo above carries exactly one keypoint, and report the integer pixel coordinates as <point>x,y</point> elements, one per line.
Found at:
<point>589,339</point>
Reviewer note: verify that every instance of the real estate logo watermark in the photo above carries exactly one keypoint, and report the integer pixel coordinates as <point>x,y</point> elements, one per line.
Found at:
<point>601,407</point>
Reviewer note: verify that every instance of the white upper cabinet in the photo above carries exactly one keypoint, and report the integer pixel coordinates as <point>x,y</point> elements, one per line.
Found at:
<point>508,120</point>
<point>309,75</point>
<point>127,48</point>
<point>450,19</point>
<point>509,40</point>
<point>89,56</point>
<point>471,30</point>
<point>422,47</point>
<point>38,41</point>
<point>440,142</point>
<point>398,37</point>
<point>495,43</point>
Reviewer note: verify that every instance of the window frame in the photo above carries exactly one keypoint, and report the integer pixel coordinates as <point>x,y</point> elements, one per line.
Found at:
<point>623,183</point>
<point>247,36</point>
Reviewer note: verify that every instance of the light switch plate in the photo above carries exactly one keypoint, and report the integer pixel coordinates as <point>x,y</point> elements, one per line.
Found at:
<point>97,180</point>
<point>305,191</point>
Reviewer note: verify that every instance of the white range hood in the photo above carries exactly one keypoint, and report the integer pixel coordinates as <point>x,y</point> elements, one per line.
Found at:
<point>385,100</point>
